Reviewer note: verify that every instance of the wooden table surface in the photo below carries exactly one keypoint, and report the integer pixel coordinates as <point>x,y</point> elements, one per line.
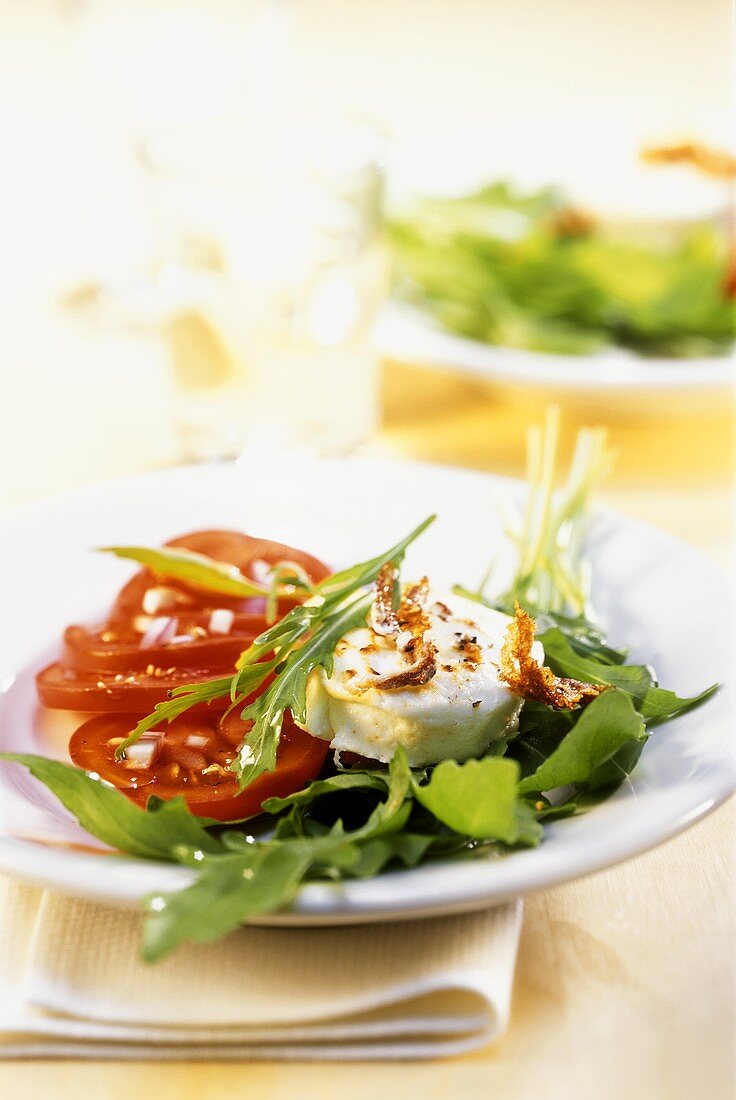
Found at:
<point>625,984</point>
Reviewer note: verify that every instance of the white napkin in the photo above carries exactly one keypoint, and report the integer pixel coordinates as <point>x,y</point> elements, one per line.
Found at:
<point>72,985</point>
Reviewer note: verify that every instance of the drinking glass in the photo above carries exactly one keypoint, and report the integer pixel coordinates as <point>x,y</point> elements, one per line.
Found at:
<point>270,266</point>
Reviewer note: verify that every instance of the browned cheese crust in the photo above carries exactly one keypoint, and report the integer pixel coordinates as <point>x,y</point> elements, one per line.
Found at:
<point>383,616</point>
<point>713,162</point>
<point>408,623</point>
<point>525,677</point>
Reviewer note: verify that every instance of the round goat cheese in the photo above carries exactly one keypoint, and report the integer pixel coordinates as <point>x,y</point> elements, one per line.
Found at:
<point>364,707</point>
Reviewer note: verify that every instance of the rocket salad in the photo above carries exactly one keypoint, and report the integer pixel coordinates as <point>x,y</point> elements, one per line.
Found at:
<point>528,270</point>
<point>264,721</point>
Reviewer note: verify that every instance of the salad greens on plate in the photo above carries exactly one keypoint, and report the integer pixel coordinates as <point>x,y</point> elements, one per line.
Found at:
<point>356,821</point>
<point>527,270</point>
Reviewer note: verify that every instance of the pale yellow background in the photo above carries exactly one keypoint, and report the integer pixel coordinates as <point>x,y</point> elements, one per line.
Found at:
<point>626,980</point>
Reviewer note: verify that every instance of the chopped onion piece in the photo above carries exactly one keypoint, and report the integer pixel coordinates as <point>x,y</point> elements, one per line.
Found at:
<point>160,632</point>
<point>260,571</point>
<point>160,598</point>
<point>221,621</point>
<point>143,752</point>
<point>196,741</point>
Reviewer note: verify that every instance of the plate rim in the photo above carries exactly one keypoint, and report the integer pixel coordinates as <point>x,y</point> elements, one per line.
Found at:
<point>407,334</point>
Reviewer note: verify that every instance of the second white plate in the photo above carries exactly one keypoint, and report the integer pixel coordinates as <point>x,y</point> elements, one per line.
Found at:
<point>690,385</point>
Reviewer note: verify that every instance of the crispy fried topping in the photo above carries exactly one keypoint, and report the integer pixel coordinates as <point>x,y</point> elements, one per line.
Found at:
<point>408,625</point>
<point>413,600</point>
<point>714,162</point>
<point>470,650</point>
<point>414,676</point>
<point>383,616</point>
<point>413,620</point>
<point>569,222</point>
<point>531,680</point>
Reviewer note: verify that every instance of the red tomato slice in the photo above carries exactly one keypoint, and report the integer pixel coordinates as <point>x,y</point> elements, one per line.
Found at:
<point>105,650</point>
<point>247,552</point>
<point>105,669</point>
<point>63,688</point>
<point>192,760</point>
<point>250,555</point>
<point>194,609</point>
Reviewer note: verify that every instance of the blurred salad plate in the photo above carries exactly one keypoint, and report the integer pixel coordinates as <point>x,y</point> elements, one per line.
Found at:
<point>408,335</point>
<point>588,270</point>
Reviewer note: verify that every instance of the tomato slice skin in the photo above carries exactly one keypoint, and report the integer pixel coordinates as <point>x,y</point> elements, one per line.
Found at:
<point>63,688</point>
<point>248,554</point>
<point>105,669</point>
<point>250,613</point>
<point>94,651</point>
<point>191,744</point>
<point>245,551</point>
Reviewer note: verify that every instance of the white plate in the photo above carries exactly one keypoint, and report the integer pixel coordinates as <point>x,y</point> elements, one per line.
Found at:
<point>694,385</point>
<point>653,593</point>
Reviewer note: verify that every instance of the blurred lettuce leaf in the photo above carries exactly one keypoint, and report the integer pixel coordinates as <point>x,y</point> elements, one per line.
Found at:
<point>528,271</point>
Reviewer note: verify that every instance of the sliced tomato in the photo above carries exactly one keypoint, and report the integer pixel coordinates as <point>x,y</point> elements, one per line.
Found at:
<point>251,556</point>
<point>192,760</point>
<point>247,552</point>
<point>105,650</point>
<point>191,609</point>
<point>63,688</point>
<point>106,669</point>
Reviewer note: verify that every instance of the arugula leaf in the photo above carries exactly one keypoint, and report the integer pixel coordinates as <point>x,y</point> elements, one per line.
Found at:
<point>368,804</point>
<point>233,887</point>
<point>477,798</point>
<point>387,816</point>
<point>383,805</point>
<point>659,704</point>
<point>605,725</point>
<point>406,847</point>
<point>653,702</point>
<point>581,801</point>
<point>334,784</point>
<point>325,620</point>
<point>184,697</point>
<point>154,833</point>
<point>349,798</point>
<point>611,772</point>
<point>285,573</point>
<point>529,831</point>
<point>328,595</point>
<point>346,581</point>
<point>583,636</point>
<point>635,680</point>
<point>258,877</point>
<point>187,565</point>
<point>257,754</point>
<point>541,728</point>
